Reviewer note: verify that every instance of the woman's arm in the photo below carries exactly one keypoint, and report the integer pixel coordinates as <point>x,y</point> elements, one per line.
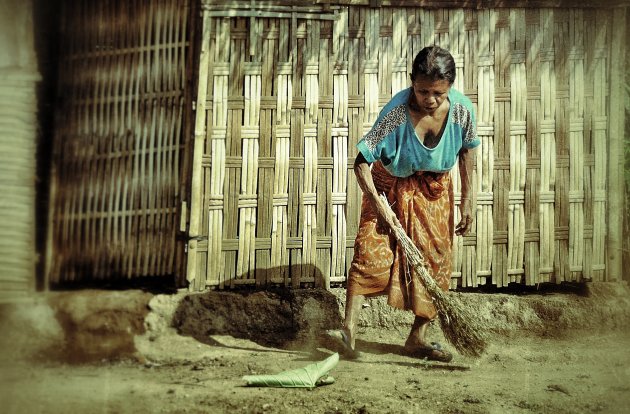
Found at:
<point>466,165</point>
<point>364,177</point>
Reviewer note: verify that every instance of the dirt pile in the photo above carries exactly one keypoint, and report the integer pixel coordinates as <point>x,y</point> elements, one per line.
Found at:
<point>99,324</point>
<point>282,318</point>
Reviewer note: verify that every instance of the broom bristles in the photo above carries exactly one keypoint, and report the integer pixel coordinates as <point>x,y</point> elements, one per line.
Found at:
<point>461,329</point>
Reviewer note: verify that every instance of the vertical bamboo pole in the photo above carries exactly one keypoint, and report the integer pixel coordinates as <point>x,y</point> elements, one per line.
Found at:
<point>355,126</point>
<point>518,151</point>
<point>616,126</point>
<point>457,33</point>
<point>576,147</point>
<point>194,229</point>
<point>284,93</point>
<point>471,81</point>
<point>340,145</point>
<point>501,173</point>
<point>562,46</point>
<point>218,134</point>
<point>548,147</point>
<point>309,196</point>
<point>599,128</point>
<point>249,173</point>
<point>485,156</point>
<point>532,182</point>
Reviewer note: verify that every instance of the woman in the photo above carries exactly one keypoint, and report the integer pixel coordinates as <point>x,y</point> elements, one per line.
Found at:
<point>412,146</point>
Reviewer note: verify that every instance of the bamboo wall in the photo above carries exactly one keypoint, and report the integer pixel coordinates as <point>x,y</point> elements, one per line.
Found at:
<point>115,191</point>
<point>285,94</point>
<point>18,136</point>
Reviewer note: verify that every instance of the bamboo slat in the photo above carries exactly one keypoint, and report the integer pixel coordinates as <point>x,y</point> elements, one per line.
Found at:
<point>485,157</point>
<point>290,206</point>
<point>467,245</point>
<point>576,147</point>
<point>518,148</point>
<point>194,227</point>
<point>309,195</point>
<point>455,20</point>
<point>532,216</point>
<point>599,145</point>
<point>547,146</point>
<point>562,45</point>
<point>339,134</point>
<point>218,132</point>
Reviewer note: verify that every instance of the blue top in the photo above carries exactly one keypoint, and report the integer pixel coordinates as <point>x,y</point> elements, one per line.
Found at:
<point>394,142</point>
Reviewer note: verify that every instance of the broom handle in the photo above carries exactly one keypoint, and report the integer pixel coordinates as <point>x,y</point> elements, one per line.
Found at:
<point>412,253</point>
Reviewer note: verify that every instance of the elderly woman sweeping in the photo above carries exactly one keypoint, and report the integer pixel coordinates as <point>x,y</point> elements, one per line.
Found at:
<point>407,155</point>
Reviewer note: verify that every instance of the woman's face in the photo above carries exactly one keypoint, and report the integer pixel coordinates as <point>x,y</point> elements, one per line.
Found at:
<point>430,93</point>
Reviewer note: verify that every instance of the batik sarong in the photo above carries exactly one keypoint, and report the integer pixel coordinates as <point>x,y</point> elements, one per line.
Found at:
<point>423,204</point>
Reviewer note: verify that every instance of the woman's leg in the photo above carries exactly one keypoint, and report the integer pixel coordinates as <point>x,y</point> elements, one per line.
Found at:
<point>417,345</point>
<point>353,309</point>
<point>417,336</point>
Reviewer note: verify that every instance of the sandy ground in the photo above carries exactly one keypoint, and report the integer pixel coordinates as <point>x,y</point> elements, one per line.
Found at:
<point>568,371</point>
<point>571,375</point>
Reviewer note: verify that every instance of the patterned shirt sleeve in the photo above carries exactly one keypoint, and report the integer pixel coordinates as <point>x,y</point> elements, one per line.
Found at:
<point>371,143</point>
<point>465,117</point>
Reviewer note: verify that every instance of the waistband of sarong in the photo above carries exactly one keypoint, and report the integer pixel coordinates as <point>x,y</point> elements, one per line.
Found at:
<point>432,184</point>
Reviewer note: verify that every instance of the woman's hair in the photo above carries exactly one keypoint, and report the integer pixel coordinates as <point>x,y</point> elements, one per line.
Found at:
<point>434,63</point>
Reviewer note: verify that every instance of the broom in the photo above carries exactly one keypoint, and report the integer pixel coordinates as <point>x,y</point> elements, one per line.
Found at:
<point>461,329</point>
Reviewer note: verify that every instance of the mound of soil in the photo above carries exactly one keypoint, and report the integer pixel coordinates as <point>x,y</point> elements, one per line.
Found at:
<point>284,318</point>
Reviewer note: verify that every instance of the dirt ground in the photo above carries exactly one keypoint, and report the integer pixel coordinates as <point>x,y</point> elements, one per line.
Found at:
<point>562,352</point>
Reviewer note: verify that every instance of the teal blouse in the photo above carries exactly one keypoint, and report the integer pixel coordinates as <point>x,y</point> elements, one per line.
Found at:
<point>394,142</point>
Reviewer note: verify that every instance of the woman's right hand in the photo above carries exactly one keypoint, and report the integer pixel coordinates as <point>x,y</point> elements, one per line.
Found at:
<point>386,217</point>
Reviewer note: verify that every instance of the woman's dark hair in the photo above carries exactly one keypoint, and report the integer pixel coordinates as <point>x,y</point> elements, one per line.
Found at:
<point>434,63</point>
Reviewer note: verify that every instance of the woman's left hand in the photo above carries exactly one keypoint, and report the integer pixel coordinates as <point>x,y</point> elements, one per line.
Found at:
<point>465,224</point>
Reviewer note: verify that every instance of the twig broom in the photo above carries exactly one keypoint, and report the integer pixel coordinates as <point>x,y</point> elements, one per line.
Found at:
<point>461,329</point>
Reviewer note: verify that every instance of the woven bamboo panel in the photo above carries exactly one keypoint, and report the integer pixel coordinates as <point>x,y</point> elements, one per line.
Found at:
<point>116,162</point>
<point>285,93</point>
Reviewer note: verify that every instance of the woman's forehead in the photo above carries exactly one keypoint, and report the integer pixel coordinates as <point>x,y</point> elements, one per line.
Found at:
<point>424,82</point>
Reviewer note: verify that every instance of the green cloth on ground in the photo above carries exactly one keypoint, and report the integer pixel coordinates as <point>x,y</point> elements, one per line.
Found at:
<point>307,377</point>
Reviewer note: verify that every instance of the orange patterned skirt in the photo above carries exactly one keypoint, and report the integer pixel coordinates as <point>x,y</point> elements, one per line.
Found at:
<point>423,204</point>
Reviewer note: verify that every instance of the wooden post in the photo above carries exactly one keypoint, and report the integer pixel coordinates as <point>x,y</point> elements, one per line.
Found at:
<point>615,148</point>
<point>194,228</point>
